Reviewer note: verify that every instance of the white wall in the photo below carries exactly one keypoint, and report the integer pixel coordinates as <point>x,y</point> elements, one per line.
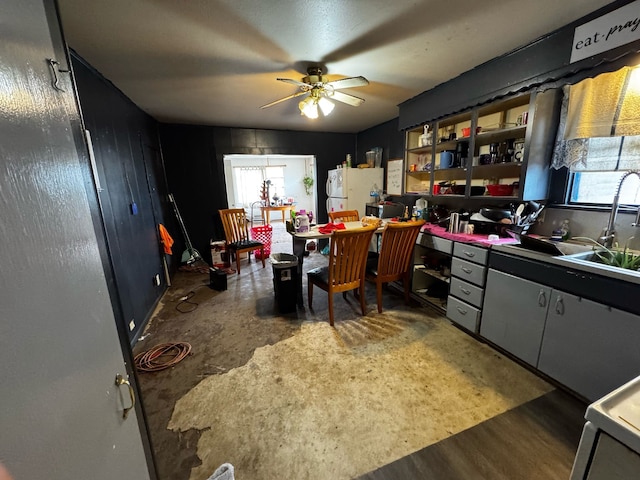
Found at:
<point>296,167</point>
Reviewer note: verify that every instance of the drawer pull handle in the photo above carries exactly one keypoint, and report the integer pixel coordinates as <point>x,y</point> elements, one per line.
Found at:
<point>465,291</point>
<point>469,254</point>
<point>559,306</point>
<point>466,270</point>
<point>461,310</point>
<point>542,299</point>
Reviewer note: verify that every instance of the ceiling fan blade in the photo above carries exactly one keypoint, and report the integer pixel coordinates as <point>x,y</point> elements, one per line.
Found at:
<point>348,82</point>
<point>346,98</point>
<point>297,94</point>
<point>294,82</point>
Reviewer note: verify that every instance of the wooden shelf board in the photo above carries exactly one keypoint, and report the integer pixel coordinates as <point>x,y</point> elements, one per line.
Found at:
<point>432,273</point>
<point>498,170</point>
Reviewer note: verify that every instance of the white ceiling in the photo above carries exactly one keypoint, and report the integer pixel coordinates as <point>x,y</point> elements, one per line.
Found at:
<point>215,62</point>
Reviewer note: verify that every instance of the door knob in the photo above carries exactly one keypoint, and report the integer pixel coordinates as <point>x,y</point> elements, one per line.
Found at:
<point>120,380</point>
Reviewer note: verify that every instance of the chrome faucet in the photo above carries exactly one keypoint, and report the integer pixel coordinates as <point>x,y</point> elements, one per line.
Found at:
<point>610,232</point>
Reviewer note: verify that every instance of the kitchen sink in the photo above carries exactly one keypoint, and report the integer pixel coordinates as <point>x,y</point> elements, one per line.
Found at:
<point>588,260</point>
<point>574,248</point>
<point>585,256</point>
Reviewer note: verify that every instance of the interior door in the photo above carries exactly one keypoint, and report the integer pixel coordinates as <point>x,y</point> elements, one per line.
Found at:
<point>61,412</point>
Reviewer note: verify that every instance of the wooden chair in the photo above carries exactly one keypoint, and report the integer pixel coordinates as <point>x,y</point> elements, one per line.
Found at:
<point>394,260</point>
<point>346,269</point>
<point>344,216</point>
<point>236,231</point>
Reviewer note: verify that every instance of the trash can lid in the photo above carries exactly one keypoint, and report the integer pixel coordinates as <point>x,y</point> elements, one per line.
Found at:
<point>283,259</point>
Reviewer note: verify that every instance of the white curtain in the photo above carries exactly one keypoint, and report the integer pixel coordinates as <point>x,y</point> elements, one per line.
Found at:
<point>600,123</point>
<point>248,181</point>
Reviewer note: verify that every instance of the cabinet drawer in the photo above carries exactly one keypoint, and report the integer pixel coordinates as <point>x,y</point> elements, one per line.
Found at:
<point>436,243</point>
<point>471,253</point>
<point>468,271</point>
<point>467,292</point>
<point>463,314</point>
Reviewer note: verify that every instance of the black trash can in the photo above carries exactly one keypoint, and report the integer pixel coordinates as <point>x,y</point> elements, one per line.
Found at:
<point>285,281</point>
<point>217,279</point>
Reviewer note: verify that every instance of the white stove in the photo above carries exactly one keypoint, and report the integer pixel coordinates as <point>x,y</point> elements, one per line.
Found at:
<point>610,443</point>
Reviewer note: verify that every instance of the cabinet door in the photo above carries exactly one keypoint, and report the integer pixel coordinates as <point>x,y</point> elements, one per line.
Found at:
<point>513,314</point>
<point>589,347</point>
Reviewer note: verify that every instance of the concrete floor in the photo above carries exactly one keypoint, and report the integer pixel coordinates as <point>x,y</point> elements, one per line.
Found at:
<point>287,396</point>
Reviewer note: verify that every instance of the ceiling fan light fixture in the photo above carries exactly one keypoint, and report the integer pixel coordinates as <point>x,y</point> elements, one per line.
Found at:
<point>309,107</point>
<point>326,105</point>
<point>320,93</point>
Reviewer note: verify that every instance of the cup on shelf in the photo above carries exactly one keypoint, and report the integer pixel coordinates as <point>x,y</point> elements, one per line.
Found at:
<point>446,159</point>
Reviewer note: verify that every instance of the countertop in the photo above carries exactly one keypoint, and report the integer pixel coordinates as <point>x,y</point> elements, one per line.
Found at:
<point>512,247</point>
<point>475,238</point>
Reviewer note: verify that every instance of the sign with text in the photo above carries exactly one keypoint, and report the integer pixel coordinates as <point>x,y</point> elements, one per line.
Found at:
<point>609,31</point>
<point>394,176</point>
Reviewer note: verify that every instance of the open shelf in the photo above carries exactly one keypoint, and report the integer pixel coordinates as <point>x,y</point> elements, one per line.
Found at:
<point>432,273</point>
<point>512,131</point>
<point>438,303</point>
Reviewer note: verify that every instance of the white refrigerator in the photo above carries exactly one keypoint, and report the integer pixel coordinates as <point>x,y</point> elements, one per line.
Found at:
<point>350,188</point>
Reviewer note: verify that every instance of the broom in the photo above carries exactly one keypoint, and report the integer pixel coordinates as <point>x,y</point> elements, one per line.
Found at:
<point>190,256</point>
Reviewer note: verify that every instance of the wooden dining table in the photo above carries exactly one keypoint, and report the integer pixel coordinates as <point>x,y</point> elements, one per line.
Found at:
<point>299,240</point>
<point>265,211</point>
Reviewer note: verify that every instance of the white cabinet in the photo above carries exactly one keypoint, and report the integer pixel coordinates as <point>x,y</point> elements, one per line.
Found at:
<point>589,347</point>
<point>514,314</point>
<point>468,270</point>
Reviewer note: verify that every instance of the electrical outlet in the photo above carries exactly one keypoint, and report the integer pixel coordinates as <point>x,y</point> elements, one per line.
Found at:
<point>156,279</point>
<point>132,325</point>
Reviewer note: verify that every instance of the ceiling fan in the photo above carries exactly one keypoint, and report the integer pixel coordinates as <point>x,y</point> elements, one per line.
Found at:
<point>320,92</point>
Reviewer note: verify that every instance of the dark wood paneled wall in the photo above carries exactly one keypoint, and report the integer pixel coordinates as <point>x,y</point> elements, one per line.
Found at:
<point>129,166</point>
<point>385,135</point>
<point>194,155</point>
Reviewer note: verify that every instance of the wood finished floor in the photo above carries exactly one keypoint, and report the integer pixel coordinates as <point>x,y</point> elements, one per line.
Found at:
<point>534,441</point>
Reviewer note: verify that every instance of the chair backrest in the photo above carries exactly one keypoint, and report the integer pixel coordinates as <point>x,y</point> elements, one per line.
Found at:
<point>344,216</point>
<point>235,225</point>
<point>398,241</point>
<point>348,257</point>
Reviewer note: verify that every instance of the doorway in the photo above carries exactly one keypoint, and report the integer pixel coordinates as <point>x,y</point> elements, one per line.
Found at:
<point>289,179</point>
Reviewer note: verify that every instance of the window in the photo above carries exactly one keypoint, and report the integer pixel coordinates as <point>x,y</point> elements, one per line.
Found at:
<point>600,187</point>
<point>248,182</point>
<point>609,159</point>
<point>599,138</point>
